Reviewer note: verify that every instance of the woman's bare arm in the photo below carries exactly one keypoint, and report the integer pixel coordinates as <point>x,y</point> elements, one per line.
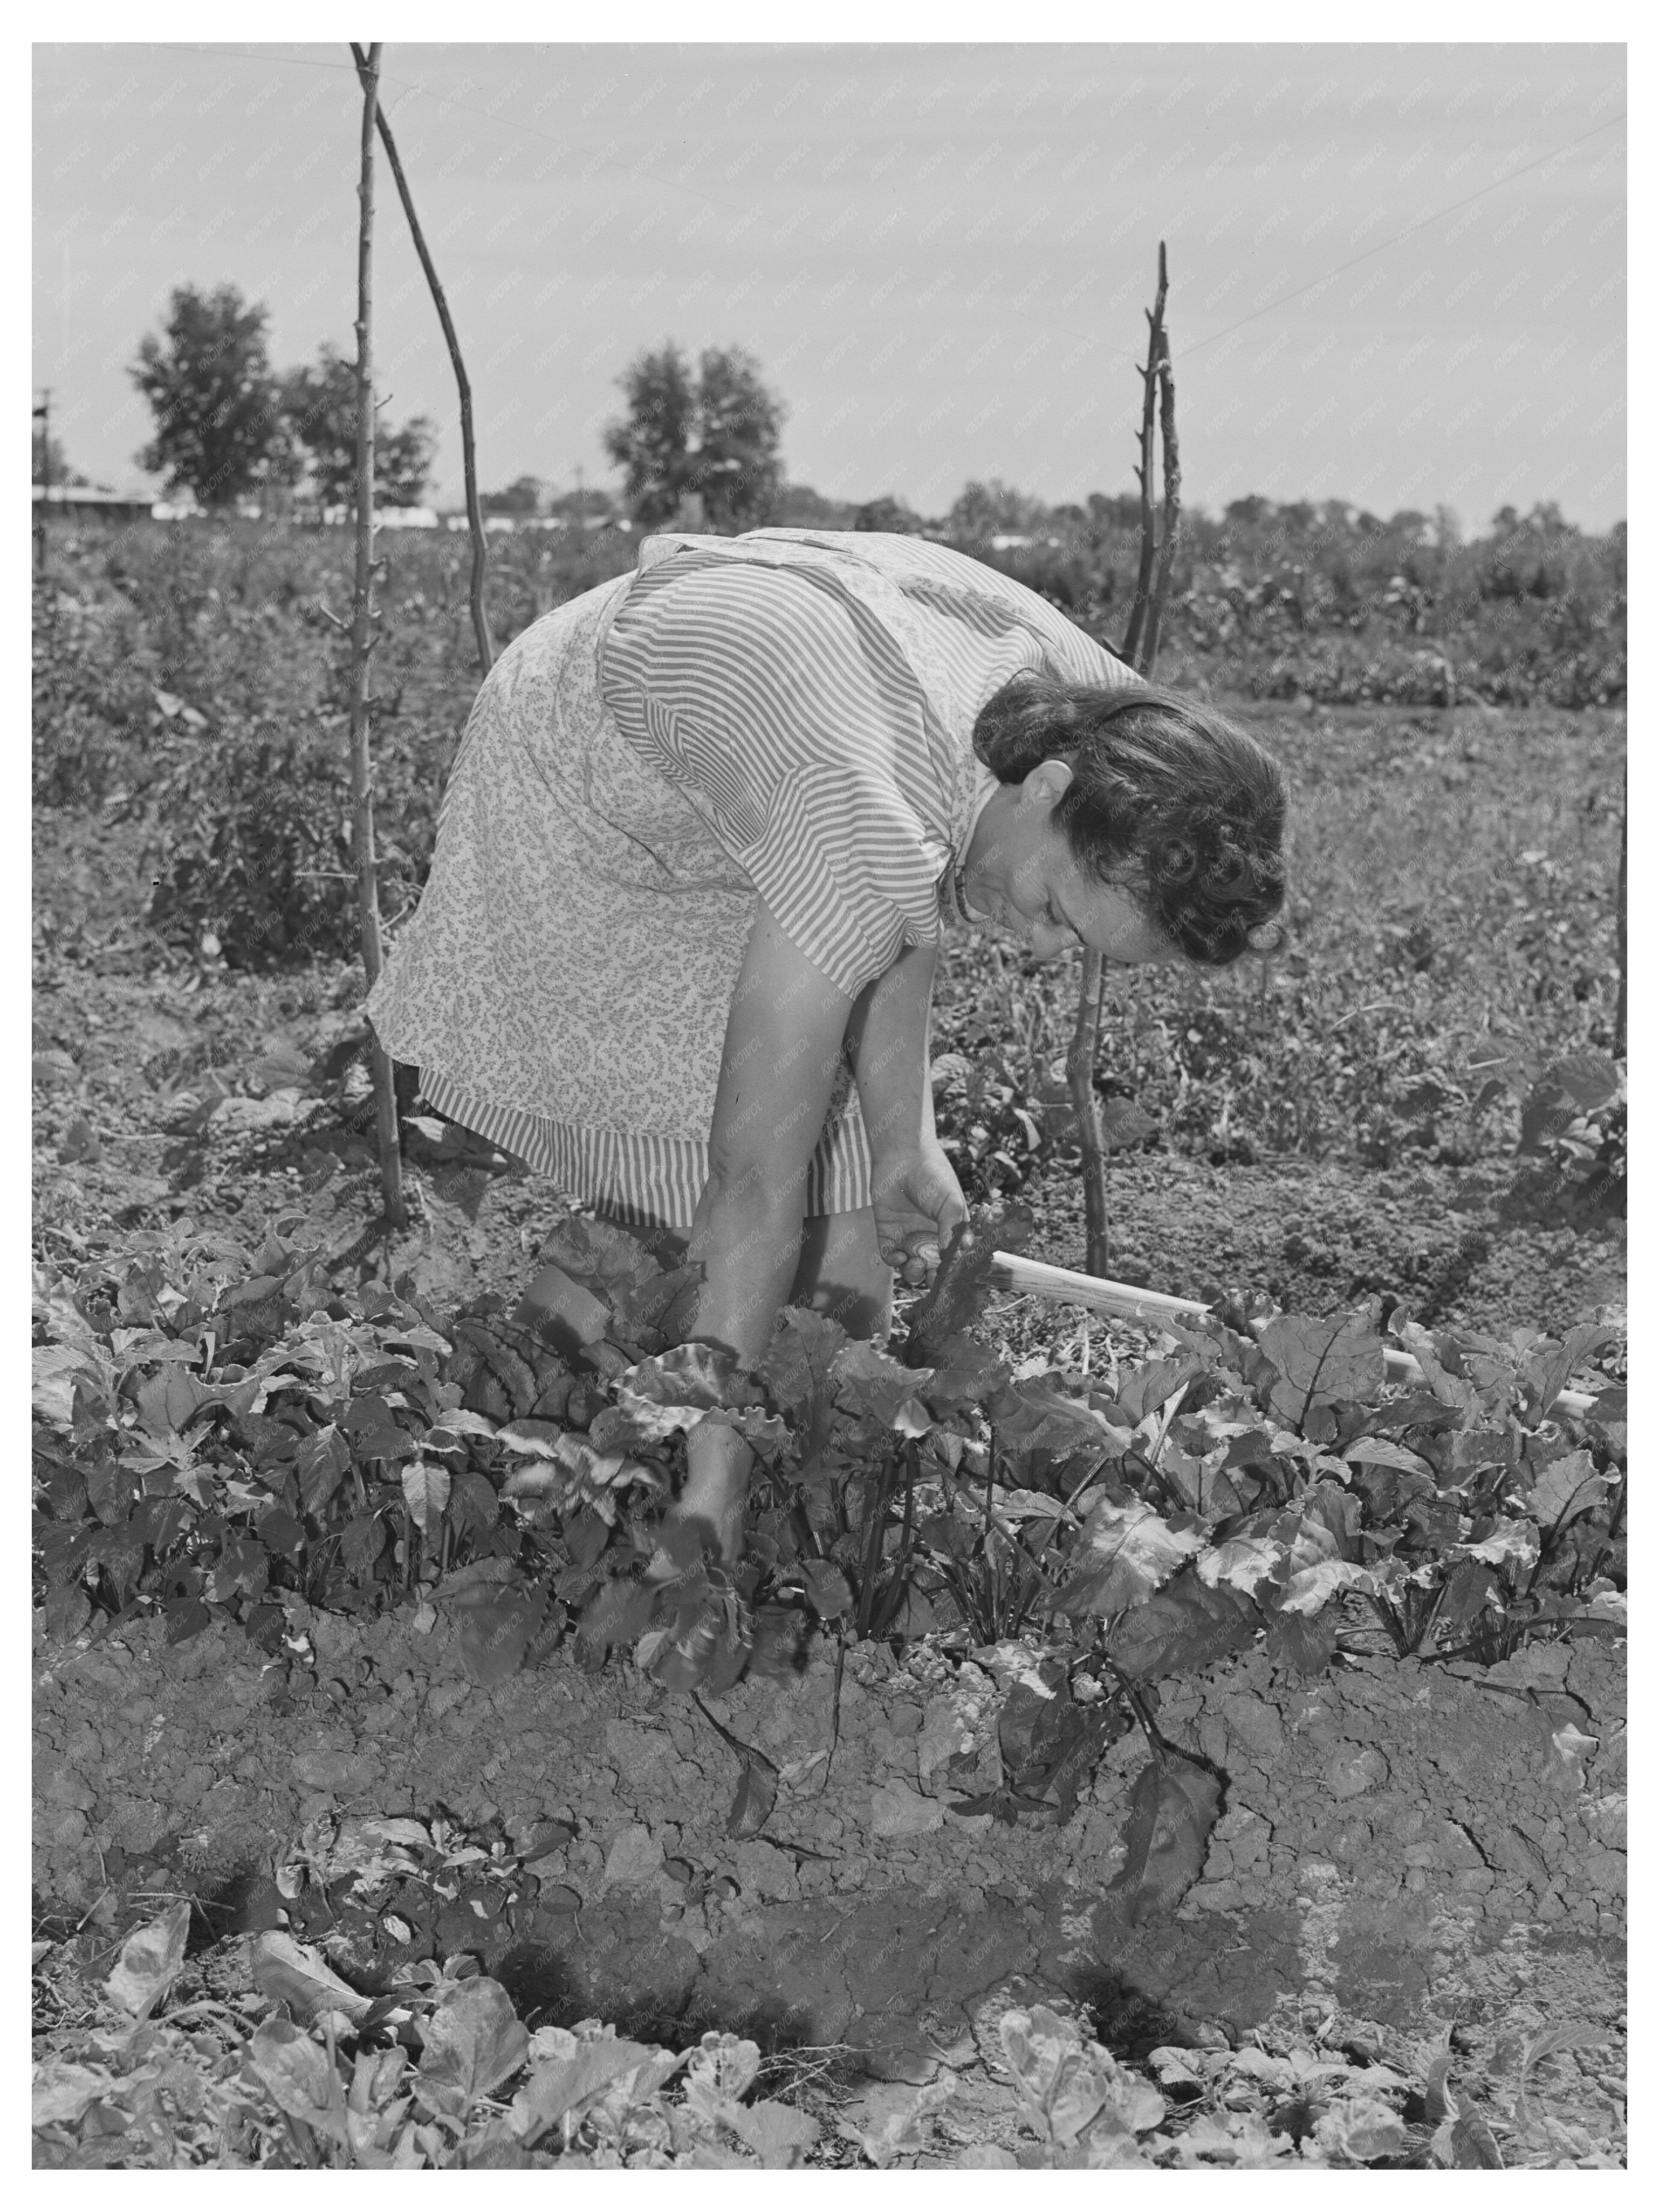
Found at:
<point>783,1041</point>
<point>914,1191</point>
<point>887,1043</point>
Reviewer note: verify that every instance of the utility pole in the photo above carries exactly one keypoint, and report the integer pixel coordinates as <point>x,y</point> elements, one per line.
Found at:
<point>581,506</point>
<point>43,417</point>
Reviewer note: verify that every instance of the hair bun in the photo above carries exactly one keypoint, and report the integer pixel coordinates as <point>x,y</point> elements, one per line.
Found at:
<point>1174,862</point>
<point>1167,797</point>
<point>1228,872</point>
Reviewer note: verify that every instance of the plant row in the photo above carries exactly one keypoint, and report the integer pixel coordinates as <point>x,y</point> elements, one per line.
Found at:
<point>217,1432</point>
<point>305,2072</point>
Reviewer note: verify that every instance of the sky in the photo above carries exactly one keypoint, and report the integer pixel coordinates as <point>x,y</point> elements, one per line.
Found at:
<point>1397,273</point>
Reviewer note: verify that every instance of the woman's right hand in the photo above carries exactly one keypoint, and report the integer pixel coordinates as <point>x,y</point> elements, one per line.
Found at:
<point>918,1204</point>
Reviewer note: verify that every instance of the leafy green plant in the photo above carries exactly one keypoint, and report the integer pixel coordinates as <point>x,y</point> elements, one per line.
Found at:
<point>191,679</point>
<point>189,1407</point>
<point>93,676</point>
<point>1574,1117</point>
<point>1290,600</point>
<point>305,2072</point>
<point>416,2080</point>
<point>253,856</point>
<point>219,1428</point>
<point>211,1439</point>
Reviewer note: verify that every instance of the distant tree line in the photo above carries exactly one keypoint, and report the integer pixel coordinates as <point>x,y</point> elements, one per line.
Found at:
<point>229,427</point>
<point>699,446</point>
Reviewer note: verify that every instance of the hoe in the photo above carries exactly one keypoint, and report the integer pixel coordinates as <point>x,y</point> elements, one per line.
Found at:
<point>1036,1279</point>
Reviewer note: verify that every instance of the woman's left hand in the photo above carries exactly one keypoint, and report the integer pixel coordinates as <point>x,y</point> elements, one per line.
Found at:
<point>917,1203</point>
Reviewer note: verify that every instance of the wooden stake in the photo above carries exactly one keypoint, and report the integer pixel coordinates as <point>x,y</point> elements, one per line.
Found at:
<point>1132,637</point>
<point>1141,651</point>
<point>469,460</point>
<point>362,649</point>
<point>1622,1012</point>
<point>1170,534</point>
<point>1091,1139</point>
<point>43,417</point>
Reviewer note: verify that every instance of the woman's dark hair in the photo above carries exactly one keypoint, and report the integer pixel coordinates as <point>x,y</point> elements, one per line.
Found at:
<point>1167,798</point>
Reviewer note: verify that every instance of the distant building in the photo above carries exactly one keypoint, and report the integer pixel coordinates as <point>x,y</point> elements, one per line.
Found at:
<point>386,518</point>
<point>82,502</point>
<point>590,524</point>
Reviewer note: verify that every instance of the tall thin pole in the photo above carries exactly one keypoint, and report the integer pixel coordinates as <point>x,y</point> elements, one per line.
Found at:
<point>362,647</point>
<point>1622,1012</point>
<point>469,460</point>
<point>1138,612</point>
<point>1169,533</point>
<point>43,417</point>
<point>1092,1140</point>
<point>1140,650</point>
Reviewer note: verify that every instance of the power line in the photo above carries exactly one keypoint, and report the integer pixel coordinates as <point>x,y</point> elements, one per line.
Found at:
<point>1382,246</point>
<point>249,54</point>
<point>418,87</point>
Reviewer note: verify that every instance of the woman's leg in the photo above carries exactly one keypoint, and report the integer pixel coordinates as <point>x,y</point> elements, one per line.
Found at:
<point>542,1293</point>
<point>842,1274</point>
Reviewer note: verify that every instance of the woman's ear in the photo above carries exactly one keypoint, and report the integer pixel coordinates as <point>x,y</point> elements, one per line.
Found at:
<point>1046,783</point>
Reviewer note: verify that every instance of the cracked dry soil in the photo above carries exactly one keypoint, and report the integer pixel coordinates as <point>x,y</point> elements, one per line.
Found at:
<point>1403,1850</point>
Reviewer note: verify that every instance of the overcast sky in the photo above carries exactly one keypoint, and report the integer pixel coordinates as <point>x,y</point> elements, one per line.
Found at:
<point>938,254</point>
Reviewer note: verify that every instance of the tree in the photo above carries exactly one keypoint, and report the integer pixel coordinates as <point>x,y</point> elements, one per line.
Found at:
<point>993,510</point>
<point>1112,512</point>
<point>651,447</point>
<point>209,384</point>
<point>736,468</point>
<point>319,418</point>
<point>798,507</point>
<point>593,503</point>
<point>524,495</point>
<point>716,438</point>
<point>887,514</point>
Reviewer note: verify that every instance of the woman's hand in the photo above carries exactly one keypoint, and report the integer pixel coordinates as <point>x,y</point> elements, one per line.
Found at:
<point>917,1203</point>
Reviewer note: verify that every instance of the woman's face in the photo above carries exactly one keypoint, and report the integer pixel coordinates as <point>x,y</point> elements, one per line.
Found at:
<point>1047,902</point>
